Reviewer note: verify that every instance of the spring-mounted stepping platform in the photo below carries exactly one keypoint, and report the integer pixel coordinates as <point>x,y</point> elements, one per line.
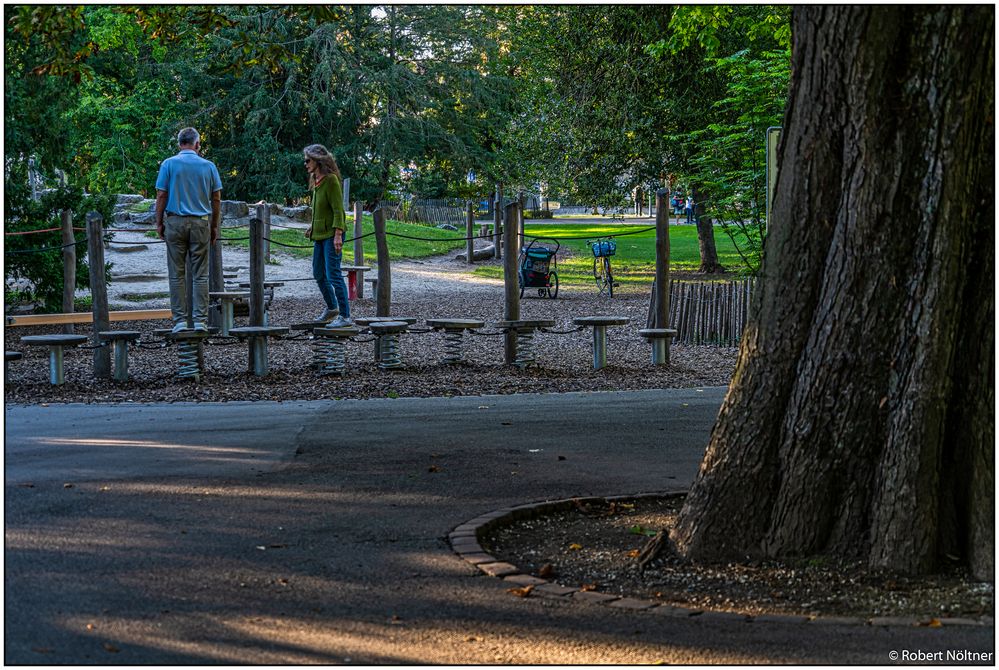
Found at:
<point>334,348</point>
<point>390,357</point>
<point>526,353</point>
<point>319,345</point>
<point>190,351</point>
<point>366,321</point>
<point>454,330</point>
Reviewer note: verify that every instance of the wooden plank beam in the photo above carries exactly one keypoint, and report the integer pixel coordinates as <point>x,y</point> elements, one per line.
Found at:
<point>86,317</point>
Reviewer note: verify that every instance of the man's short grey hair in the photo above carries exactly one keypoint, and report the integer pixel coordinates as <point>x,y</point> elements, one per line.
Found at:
<point>188,136</point>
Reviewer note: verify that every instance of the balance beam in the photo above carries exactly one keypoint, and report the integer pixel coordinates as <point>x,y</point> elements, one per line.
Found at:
<point>87,317</point>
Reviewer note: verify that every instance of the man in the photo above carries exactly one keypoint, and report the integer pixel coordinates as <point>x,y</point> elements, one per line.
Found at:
<point>189,192</point>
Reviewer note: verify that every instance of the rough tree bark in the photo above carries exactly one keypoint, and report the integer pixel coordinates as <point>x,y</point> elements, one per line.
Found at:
<point>860,420</point>
<point>705,237</point>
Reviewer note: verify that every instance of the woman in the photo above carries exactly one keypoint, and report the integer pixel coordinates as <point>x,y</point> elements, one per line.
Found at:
<point>327,231</point>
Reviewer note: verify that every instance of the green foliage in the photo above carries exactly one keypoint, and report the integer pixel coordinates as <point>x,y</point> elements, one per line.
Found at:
<point>44,270</point>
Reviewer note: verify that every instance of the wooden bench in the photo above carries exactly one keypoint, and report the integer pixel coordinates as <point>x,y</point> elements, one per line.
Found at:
<point>228,300</point>
<point>600,325</point>
<point>119,340</point>
<point>525,328</point>
<point>454,330</point>
<point>660,339</point>
<point>333,349</point>
<point>257,336</point>
<point>389,356</point>
<point>55,343</point>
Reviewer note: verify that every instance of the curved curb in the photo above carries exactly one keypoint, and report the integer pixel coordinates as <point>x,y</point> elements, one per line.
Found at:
<point>464,540</point>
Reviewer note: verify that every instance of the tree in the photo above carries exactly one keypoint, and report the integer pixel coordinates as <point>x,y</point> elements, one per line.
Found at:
<point>860,420</point>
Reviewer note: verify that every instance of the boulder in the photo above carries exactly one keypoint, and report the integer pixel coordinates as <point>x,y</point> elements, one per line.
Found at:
<point>234,209</point>
<point>301,213</point>
<point>129,198</point>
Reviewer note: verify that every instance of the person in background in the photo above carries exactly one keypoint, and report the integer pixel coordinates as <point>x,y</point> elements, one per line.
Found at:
<point>689,209</point>
<point>326,233</point>
<point>189,193</point>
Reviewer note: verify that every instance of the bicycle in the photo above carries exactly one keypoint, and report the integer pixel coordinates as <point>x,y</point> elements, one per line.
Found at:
<point>602,250</point>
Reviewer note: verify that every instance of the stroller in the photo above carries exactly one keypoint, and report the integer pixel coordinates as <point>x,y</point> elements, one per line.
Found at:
<point>538,266</point>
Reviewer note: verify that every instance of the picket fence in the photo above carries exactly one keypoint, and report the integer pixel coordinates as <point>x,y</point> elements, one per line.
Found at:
<point>708,313</point>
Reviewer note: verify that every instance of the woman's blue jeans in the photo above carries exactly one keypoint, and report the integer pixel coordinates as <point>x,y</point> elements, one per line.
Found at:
<point>327,273</point>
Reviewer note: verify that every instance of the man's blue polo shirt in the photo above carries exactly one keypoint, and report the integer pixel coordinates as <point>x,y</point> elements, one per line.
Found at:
<point>189,181</point>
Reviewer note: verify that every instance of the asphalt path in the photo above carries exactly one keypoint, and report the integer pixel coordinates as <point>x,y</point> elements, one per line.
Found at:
<point>315,532</point>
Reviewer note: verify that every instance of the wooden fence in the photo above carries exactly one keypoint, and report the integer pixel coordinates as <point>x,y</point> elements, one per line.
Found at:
<point>709,313</point>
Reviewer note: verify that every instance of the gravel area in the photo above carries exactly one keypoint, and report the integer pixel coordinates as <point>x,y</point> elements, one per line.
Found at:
<point>597,546</point>
<point>435,288</point>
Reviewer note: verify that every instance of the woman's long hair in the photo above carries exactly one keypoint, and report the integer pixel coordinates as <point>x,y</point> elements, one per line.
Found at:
<point>322,156</point>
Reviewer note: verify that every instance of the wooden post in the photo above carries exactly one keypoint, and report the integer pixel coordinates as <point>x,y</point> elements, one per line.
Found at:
<point>256,272</point>
<point>215,282</point>
<point>469,225</point>
<point>68,268</point>
<point>662,260</point>
<point>359,245</point>
<point>498,223</point>
<point>520,219</point>
<point>383,294</point>
<point>511,293</point>
<point>264,214</point>
<point>98,292</point>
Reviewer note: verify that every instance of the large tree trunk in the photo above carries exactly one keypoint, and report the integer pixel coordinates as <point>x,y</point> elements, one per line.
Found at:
<point>706,237</point>
<point>860,419</point>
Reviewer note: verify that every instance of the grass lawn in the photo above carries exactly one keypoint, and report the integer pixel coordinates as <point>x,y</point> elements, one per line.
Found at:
<point>635,260</point>
<point>438,241</point>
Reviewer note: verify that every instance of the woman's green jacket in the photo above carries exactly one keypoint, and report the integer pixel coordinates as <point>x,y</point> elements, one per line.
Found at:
<point>327,208</point>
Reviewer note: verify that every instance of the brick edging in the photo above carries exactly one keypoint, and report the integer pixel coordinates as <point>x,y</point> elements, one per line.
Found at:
<point>464,541</point>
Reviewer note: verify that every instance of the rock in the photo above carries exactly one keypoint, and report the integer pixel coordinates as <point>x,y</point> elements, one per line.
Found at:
<point>144,218</point>
<point>301,213</point>
<point>122,217</point>
<point>235,209</point>
<point>129,199</point>
<point>446,226</point>
<point>479,254</point>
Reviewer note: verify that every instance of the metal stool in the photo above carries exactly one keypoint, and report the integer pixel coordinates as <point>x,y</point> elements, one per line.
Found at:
<point>388,333</point>
<point>333,343</point>
<point>55,343</point>
<point>366,321</point>
<point>257,336</point>
<point>190,351</point>
<point>228,300</point>
<point>119,340</point>
<point>599,325</point>
<point>661,339</point>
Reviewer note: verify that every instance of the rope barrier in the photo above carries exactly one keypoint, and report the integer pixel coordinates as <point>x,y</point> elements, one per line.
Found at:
<point>43,230</point>
<point>44,249</point>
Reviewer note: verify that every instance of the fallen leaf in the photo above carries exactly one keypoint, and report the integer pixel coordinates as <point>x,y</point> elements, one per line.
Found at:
<point>90,626</point>
<point>523,591</point>
<point>546,570</point>
<point>935,623</point>
<point>110,648</point>
<point>396,619</point>
<point>639,530</point>
<point>589,587</point>
<point>634,553</point>
<point>67,486</point>
<point>575,546</point>
<point>105,488</point>
<point>433,468</point>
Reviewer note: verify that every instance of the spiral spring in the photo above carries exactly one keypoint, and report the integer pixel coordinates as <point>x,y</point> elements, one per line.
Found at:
<point>321,352</point>
<point>391,357</point>
<point>336,358</point>
<point>187,354</point>
<point>525,348</point>
<point>453,352</point>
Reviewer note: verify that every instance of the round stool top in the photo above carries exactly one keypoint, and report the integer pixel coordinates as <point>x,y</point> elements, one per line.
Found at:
<point>258,331</point>
<point>228,294</point>
<point>601,320</point>
<point>185,334</point>
<point>346,331</point>
<point>368,320</point>
<point>56,339</point>
<point>656,333</point>
<point>456,324</point>
<point>384,327</point>
<point>267,284</point>
<point>308,325</point>
<point>530,323</point>
<point>130,335</point>
<point>12,355</point>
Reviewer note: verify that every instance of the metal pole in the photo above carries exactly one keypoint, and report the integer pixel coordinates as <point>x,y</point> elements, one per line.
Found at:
<point>98,292</point>
<point>121,360</point>
<point>599,347</point>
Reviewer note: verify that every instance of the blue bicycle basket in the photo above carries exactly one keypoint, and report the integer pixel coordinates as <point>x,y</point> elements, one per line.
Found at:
<point>604,248</point>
